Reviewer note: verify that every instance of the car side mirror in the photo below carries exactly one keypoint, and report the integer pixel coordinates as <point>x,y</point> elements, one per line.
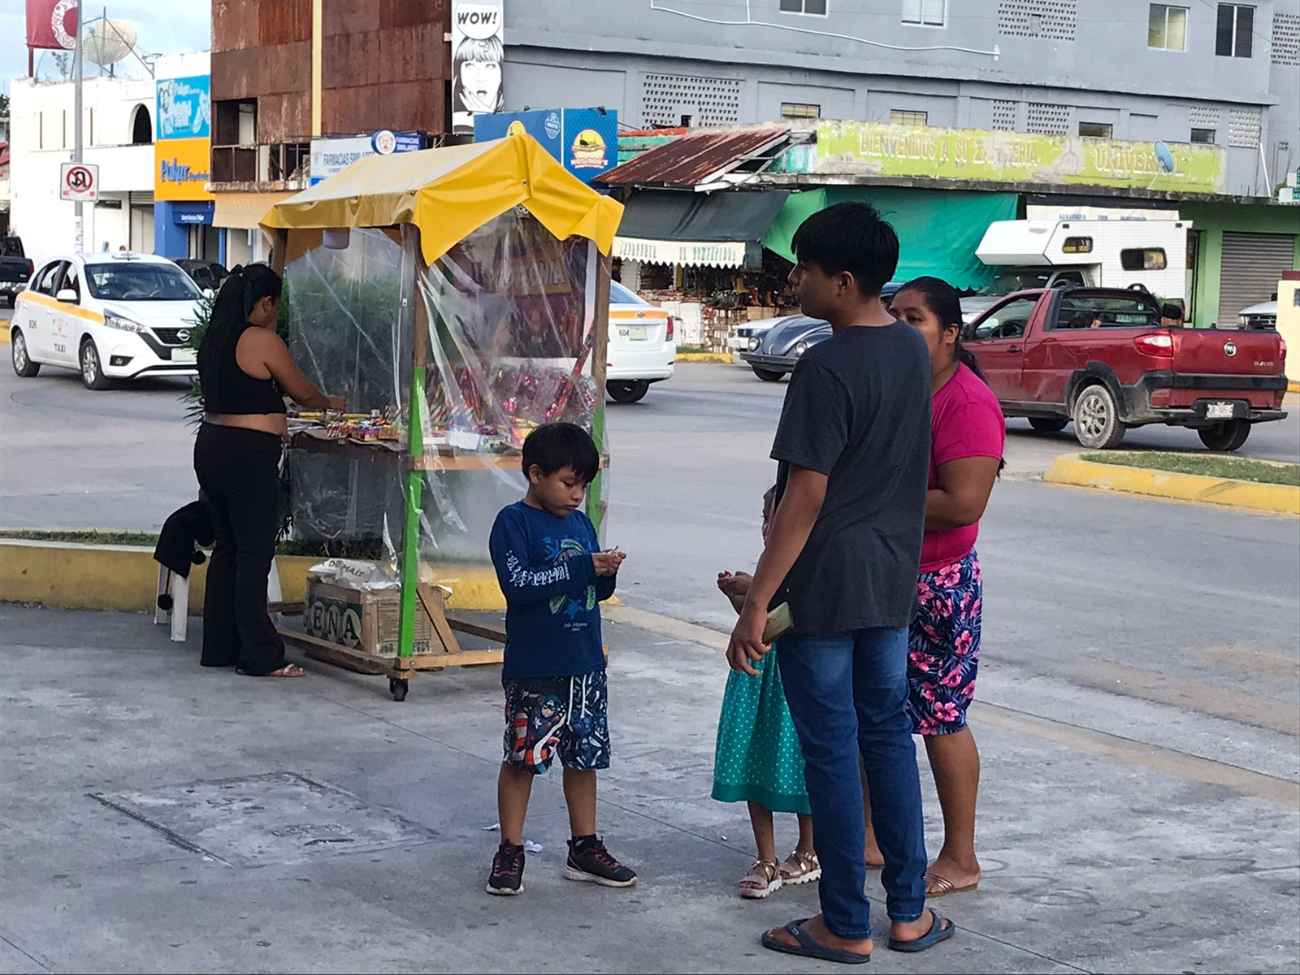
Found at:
<point>68,295</point>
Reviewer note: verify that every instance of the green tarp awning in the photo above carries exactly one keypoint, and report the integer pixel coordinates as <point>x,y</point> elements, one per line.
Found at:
<point>938,229</point>
<point>720,229</point>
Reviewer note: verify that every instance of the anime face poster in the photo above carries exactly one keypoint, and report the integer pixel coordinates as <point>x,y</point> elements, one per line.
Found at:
<point>476,56</point>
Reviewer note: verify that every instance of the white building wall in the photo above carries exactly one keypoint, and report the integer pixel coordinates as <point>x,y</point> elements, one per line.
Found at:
<point>42,125</point>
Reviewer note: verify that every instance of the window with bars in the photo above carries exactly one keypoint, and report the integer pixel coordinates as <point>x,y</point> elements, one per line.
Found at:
<point>902,117</point>
<point>1286,39</point>
<point>1235,36</point>
<point>1167,27</point>
<point>815,7</point>
<point>1048,119</point>
<point>1055,20</point>
<point>1004,115</point>
<point>1096,130</point>
<point>800,110</point>
<point>925,13</point>
<point>708,101</point>
<point>1204,137</point>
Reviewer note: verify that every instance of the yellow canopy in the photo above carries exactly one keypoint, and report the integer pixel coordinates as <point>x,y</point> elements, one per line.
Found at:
<point>449,193</point>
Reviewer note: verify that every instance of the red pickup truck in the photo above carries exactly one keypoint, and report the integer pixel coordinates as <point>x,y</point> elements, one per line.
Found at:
<point>1100,358</point>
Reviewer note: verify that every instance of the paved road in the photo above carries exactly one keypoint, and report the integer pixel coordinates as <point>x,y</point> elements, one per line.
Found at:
<point>1082,585</point>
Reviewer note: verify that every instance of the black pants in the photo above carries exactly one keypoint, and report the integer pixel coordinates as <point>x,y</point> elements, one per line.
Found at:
<point>239,472</point>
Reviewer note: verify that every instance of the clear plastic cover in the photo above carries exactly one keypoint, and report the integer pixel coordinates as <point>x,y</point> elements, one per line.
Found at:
<point>508,316</point>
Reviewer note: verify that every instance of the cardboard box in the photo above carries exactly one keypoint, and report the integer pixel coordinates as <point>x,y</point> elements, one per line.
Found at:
<point>361,619</point>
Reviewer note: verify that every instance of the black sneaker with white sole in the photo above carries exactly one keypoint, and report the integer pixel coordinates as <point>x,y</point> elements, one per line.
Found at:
<point>507,876</point>
<point>590,862</point>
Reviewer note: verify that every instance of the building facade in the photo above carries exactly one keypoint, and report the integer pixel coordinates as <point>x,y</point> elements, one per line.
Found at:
<point>1191,107</point>
<point>117,136</point>
<point>278,84</point>
<point>1123,69</point>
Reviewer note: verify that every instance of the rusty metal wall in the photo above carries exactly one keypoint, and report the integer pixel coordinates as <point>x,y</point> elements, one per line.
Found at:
<point>385,64</point>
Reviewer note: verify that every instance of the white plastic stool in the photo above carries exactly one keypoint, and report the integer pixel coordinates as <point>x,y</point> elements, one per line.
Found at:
<point>177,588</point>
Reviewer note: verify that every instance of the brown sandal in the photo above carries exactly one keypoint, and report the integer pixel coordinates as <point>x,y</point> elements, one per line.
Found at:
<point>937,886</point>
<point>288,670</point>
<point>765,879</point>
<point>801,868</point>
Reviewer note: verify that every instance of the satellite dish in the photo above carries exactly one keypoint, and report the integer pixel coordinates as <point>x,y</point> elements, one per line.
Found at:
<point>108,40</point>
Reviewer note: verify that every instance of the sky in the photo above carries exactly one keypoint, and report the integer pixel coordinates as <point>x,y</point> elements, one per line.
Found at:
<point>162,28</point>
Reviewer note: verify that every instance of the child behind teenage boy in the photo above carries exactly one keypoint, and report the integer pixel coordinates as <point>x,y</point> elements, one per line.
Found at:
<point>547,559</point>
<point>758,759</point>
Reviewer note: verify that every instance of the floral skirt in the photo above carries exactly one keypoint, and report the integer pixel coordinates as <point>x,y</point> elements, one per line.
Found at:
<point>944,647</point>
<point>758,757</point>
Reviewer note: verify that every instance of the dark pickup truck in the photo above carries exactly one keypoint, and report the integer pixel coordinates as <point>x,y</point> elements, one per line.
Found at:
<point>1099,358</point>
<point>15,269</point>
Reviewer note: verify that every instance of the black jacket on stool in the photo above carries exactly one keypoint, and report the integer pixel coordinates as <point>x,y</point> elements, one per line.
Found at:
<point>184,529</point>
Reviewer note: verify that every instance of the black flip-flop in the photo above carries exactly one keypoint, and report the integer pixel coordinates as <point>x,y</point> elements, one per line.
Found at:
<point>808,947</point>
<point>931,938</point>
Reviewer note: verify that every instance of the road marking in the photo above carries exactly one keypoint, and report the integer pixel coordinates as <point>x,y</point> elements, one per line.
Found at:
<point>1240,780</point>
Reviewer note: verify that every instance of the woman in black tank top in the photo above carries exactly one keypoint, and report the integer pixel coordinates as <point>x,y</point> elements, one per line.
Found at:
<point>245,371</point>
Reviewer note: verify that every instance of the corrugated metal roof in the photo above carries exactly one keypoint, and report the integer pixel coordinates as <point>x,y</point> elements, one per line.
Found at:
<point>692,159</point>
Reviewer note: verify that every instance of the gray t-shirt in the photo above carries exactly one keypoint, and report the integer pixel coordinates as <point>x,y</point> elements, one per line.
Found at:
<point>858,410</point>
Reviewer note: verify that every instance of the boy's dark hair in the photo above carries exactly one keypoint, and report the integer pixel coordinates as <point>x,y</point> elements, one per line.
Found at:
<point>850,237</point>
<point>554,446</point>
<point>1170,310</point>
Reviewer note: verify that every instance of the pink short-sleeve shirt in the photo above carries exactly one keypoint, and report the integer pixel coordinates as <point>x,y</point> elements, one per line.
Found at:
<point>966,421</point>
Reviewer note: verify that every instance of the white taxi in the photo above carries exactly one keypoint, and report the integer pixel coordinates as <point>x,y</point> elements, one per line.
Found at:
<point>108,316</point>
<point>642,346</point>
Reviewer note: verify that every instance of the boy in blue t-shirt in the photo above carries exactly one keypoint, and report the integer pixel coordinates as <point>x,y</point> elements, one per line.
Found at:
<point>553,574</point>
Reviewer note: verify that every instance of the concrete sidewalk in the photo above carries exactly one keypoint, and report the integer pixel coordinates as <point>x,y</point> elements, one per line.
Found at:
<point>158,817</point>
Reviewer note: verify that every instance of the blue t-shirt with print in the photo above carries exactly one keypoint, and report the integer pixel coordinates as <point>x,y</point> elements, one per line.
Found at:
<point>552,592</point>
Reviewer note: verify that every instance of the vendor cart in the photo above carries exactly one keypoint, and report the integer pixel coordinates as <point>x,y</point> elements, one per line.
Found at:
<point>458,297</point>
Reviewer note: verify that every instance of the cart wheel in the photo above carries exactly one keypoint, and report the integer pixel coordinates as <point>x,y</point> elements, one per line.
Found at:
<point>398,686</point>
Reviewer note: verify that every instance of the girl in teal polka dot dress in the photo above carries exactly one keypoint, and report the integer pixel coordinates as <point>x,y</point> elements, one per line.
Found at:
<point>758,759</point>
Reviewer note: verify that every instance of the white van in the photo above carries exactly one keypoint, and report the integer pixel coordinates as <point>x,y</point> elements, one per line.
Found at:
<point>1083,253</point>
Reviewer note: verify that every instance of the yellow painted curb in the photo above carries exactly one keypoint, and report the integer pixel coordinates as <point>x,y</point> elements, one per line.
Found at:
<point>4,334</point>
<point>1293,387</point>
<point>125,577</point>
<point>704,357</point>
<point>1275,498</point>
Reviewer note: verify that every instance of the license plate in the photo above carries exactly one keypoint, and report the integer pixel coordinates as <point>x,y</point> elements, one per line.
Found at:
<point>1220,411</point>
<point>184,355</point>
<point>634,333</point>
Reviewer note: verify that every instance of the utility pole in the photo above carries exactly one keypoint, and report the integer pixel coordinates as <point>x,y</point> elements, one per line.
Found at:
<point>78,59</point>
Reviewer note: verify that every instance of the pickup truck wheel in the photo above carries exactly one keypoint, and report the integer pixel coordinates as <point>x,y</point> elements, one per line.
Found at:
<point>632,391</point>
<point>1097,425</point>
<point>768,375</point>
<point>1225,436</point>
<point>1047,424</point>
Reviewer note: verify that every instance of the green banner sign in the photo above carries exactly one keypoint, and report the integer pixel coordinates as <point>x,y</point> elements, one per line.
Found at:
<point>1016,157</point>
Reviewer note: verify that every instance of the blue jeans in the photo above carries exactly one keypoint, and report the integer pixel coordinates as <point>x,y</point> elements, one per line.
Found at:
<point>847,694</point>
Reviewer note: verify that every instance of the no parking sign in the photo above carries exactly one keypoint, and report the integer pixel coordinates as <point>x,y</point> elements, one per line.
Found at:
<point>79,182</point>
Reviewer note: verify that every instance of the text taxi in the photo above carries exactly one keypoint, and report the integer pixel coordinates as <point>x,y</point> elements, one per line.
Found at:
<point>109,316</point>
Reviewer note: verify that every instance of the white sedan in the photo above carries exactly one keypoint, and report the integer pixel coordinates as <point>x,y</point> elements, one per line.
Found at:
<point>642,346</point>
<point>108,316</point>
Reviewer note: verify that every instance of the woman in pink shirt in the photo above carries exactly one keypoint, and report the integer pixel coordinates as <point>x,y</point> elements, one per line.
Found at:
<point>967,437</point>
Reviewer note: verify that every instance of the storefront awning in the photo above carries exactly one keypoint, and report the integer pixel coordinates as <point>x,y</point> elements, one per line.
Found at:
<point>244,211</point>
<point>938,230</point>
<point>697,229</point>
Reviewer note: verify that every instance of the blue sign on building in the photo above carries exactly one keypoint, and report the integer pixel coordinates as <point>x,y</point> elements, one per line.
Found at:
<point>184,108</point>
<point>585,140</point>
